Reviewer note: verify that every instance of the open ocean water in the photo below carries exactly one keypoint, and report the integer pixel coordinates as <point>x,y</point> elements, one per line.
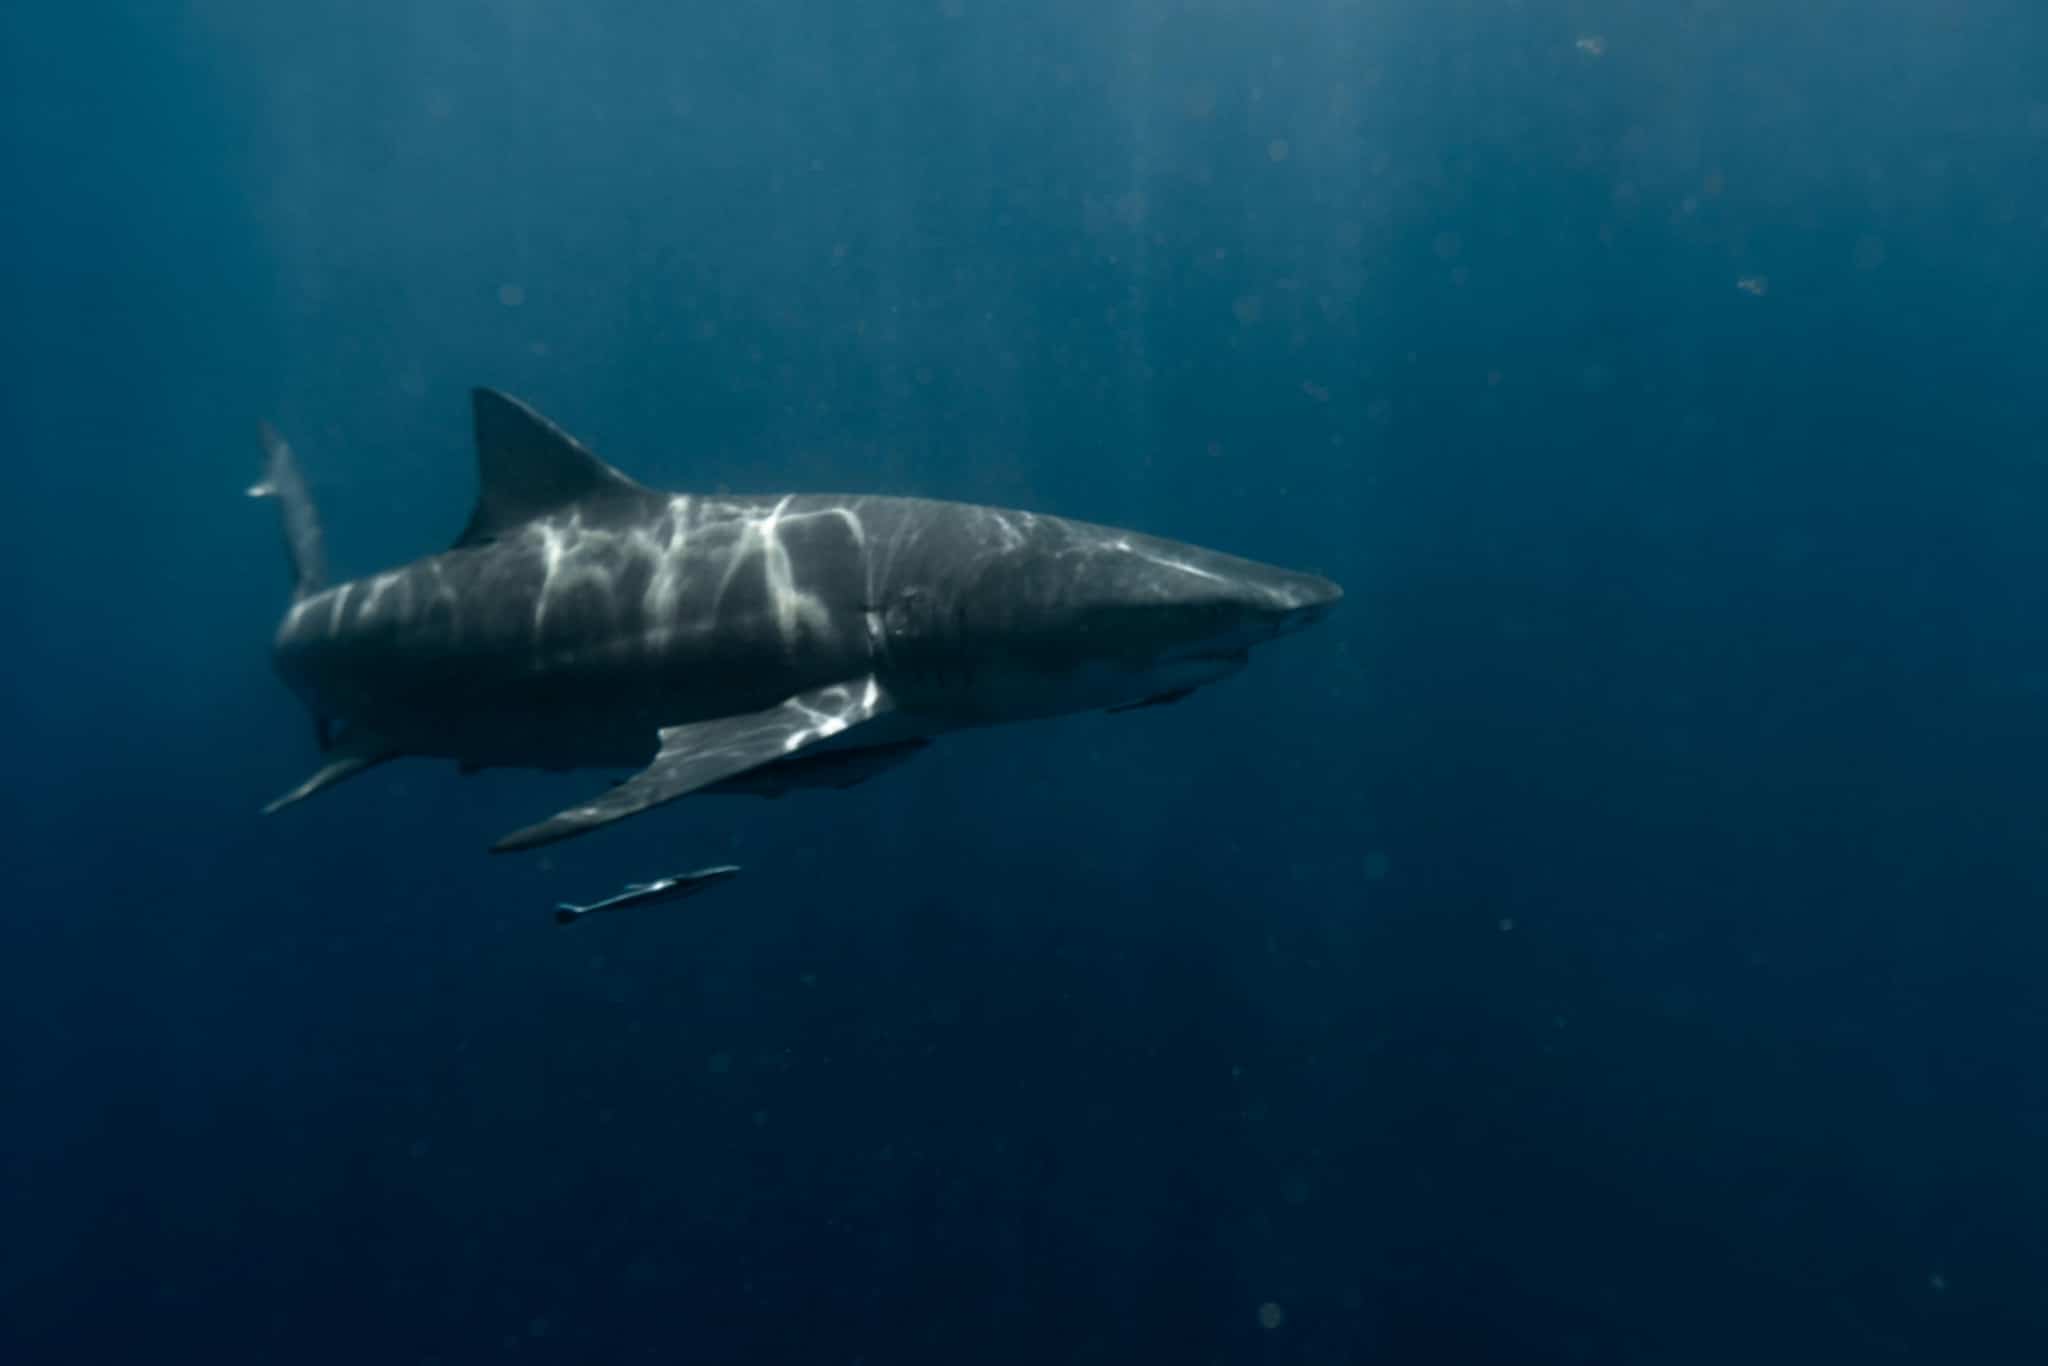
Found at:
<point>1616,938</point>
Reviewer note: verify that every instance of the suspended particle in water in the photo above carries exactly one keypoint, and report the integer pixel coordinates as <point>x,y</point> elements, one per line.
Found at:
<point>1592,44</point>
<point>1271,1316</point>
<point>1759,285</point>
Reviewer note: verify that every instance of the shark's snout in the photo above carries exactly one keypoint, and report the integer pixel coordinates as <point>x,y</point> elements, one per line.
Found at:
<point>1312,598</point>
<point>1306,593</point>
<point>1282,601</point>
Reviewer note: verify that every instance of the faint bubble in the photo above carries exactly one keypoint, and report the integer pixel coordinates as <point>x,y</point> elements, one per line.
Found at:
<point>1277,149</point>
<point>1377,865</point>
<point>1758,285</point>
<point>511,295</point>
<point>1315,391</point>
<point>1869,253</point>
<point>1271,1316</point>
<point>721,1063</point>
<point>1937,1283</point>
<point>1506,925</point>
<point>1592,44</point>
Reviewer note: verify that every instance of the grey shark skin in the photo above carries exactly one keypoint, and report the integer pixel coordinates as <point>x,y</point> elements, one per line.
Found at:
<point>739,644</point>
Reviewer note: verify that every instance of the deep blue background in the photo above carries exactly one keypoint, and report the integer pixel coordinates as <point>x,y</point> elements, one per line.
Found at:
<point>1617,937</point>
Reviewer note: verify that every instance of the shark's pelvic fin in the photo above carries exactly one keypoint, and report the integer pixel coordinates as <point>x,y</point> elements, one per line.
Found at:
<point>304,545</point>
<point>705,752</point>
<point>528,467</point>
<point>355,754</point>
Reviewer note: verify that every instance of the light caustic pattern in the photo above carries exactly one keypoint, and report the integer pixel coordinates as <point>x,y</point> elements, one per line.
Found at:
<point>690,542</point>
<point>691,538</point>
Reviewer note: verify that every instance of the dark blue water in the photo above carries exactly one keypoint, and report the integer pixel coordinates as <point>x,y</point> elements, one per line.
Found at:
<point>1616,937</point>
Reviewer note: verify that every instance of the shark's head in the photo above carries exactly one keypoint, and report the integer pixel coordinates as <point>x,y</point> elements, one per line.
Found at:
<point>1078,618</point>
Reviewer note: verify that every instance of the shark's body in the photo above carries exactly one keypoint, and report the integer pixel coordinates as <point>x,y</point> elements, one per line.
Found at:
<point>739,643</point>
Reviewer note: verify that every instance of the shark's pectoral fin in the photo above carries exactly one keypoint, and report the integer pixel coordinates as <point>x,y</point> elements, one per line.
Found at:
<point>705,752</point>
<point>356,754</point>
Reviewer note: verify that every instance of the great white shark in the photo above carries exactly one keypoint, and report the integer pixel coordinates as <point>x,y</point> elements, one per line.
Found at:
<point>737,644</point>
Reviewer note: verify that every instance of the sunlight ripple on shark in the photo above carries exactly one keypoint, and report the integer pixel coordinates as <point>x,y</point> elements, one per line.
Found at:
<point>737,644</point>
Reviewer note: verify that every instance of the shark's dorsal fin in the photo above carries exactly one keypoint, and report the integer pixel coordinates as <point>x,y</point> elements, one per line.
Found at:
<point>527,467</point>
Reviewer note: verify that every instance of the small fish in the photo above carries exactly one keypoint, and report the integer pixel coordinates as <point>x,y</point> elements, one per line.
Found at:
<point>653,893</point>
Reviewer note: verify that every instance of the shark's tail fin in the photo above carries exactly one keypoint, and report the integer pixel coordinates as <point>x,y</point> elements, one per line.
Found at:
<point>303,543</point>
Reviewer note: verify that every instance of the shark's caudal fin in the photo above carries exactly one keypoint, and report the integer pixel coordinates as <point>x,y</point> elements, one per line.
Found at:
<point>528,467</point>
<point>304,546</point>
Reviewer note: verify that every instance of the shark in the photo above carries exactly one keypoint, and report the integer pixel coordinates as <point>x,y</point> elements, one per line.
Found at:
<point>709,643</point>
